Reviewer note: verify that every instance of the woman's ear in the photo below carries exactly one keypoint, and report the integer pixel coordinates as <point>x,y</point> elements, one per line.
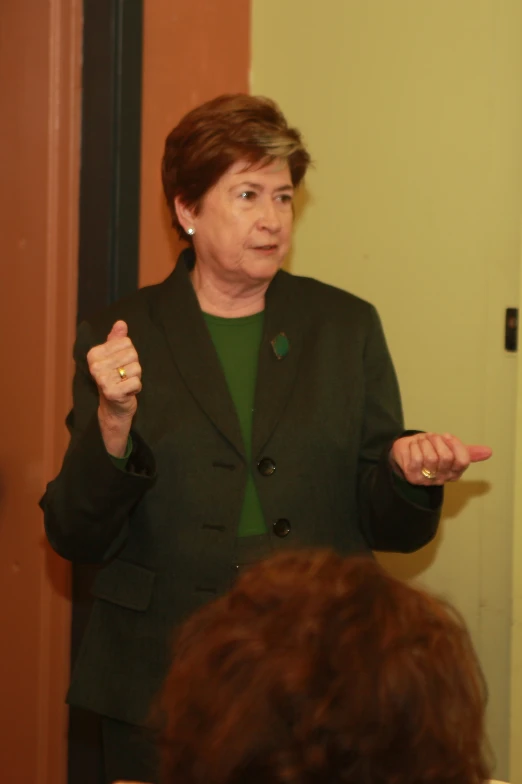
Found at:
<point>185,215</point>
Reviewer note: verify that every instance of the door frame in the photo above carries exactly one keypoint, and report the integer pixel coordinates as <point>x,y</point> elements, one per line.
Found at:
<point>516,620</point>
<point>108,248</point>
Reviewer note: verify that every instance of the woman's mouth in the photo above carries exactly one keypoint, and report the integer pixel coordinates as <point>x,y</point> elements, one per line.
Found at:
<point>266,248</point>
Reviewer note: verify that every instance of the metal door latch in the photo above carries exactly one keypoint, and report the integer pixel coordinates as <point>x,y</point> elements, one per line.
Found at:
<point>511,329</point>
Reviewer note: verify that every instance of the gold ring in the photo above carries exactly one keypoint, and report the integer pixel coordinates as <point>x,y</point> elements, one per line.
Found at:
<point>123,374</point>
<point>429,474</point>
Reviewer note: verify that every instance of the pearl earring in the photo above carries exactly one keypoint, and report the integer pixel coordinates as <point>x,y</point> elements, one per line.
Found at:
<point>191,231</point>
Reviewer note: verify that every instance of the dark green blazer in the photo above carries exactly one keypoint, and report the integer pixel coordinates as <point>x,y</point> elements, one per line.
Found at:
<point>325,414</point>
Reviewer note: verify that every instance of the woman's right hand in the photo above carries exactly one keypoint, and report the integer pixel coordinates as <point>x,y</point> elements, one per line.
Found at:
<point>118,402</point>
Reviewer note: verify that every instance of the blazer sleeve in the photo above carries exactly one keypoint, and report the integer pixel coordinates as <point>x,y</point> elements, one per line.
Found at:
<point>390,520</point>
<point>87,506</point>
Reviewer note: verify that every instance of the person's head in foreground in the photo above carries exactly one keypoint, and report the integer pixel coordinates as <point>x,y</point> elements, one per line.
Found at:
<point>318,669</point>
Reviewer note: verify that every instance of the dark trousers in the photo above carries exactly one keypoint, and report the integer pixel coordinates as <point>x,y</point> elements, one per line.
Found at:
<point>129,753</point>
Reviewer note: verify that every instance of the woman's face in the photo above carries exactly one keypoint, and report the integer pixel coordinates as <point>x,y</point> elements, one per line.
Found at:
<point>244,227</point>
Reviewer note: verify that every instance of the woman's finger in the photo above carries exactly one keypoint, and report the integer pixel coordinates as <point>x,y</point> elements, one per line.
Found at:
<point>461,457</point>
<point>102,365</point>
<point>445,455</point>
<point>118,391</point>
<point>414,467</point>
<point>131,370</point>
<point>429,470</point>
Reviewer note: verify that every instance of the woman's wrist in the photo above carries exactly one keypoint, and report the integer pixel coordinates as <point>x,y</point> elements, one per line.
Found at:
<point>115,431</point>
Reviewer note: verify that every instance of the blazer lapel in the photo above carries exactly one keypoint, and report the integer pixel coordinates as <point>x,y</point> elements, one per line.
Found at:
<point>279,354</point>
<point>194,352</point>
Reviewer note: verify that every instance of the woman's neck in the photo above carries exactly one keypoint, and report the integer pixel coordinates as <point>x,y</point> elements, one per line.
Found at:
<point>227,300</point>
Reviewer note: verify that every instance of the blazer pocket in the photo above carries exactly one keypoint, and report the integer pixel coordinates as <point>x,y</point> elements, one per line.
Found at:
<point>125,584</point>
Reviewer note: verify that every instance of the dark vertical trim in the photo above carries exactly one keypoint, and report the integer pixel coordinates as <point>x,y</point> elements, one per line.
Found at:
<point>110,152</point>
<point>127,146</point>
<point>108,245</point>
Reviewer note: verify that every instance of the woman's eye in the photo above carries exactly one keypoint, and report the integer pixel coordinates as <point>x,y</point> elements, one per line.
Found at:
<point>285,198</point>
<point>248,195</point>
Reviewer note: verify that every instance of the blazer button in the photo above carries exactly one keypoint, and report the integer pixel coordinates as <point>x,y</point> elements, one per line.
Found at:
<point>266,466</point>
<point>282,527</point>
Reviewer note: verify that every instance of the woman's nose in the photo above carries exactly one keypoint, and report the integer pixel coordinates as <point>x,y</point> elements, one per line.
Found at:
<point>269,218</point>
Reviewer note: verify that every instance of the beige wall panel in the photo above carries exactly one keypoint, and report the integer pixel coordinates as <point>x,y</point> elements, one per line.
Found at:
<point>413,114</point>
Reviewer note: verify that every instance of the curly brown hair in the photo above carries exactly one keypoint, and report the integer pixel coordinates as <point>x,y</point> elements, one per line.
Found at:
<point>217,134</point>
<point>320,669</point>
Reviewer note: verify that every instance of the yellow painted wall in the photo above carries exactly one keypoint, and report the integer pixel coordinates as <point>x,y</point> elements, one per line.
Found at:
<point>412,110</point>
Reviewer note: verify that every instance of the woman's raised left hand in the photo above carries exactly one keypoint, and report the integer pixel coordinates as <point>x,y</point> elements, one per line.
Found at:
<point>433,459</point>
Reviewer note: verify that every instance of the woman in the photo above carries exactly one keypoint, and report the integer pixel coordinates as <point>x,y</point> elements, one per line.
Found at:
<point>318,669</point>
<point>267,403</point>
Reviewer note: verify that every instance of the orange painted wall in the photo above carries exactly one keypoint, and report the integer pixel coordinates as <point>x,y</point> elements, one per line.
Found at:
<point>193,51</point>
<point>39,160</point>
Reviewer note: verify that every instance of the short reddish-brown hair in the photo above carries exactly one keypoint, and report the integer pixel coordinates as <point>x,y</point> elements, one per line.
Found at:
<point>319,669</point>
<point>217,134</point>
